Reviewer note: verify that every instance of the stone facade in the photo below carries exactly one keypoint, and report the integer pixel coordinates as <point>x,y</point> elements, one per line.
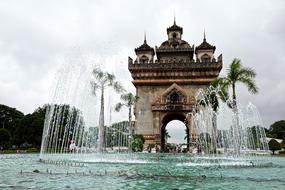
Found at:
<point>166,86</point>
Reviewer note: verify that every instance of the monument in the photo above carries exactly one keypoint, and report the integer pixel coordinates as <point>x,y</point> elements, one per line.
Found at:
<point>166,80</point>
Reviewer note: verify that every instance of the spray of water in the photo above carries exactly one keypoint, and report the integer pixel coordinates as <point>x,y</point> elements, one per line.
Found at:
<point>71,129</point>
<point>72,116</point>
<point>222,130</point>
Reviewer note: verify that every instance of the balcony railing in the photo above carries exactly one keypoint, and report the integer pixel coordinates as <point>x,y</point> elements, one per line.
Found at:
<point>176,64</point>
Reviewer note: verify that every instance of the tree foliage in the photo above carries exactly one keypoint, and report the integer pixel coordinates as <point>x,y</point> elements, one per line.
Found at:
<point>237,73</point>
<point>137,143</point>
<point>101,81</point>
<point>26,130</point>
<point>129,101</point>
<point>117,134</point>
<point>30,128</point>
<point>9,117</point>
<point>277,130</point>
<point>274,145</point>
<point>217,90</point>
<point>4,138</point>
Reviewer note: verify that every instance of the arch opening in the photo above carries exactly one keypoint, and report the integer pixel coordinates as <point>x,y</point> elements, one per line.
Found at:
<point>174,134</point>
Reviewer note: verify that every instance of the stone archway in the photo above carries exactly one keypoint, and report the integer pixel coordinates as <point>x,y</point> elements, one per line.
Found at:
<point>166,83</point>
<point>170,117</point>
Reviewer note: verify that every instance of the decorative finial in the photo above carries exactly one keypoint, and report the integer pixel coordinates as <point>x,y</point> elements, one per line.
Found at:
<point>144,37</point>
<point>174,20</point>
<point>204,36</point>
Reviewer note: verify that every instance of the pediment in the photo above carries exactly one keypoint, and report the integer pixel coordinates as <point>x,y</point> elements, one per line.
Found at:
<point>174,94</point>
<point>174,86</point>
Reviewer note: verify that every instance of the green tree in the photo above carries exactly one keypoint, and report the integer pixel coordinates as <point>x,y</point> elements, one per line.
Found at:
<point>9,117</point>
<point>237,73</point>
<point>103,80</point>
<point>137,143</point>
<point>277,130</point>
<point>129,101</point>
<point>4,138</point>
<point>217,90</point>
<point>62,123</point>
<point>274,145</point>
<point>30,128</point>
<point>117,134</point>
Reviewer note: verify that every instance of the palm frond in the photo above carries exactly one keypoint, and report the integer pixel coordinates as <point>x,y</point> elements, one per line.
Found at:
<point>94,87</point>
<point>110,78</point>
<point>233,70</point>
<point>218,89</point>
<point>129,98</point>
<point>250,84</point>
<point>218,81</point>
<point>98,73</point>
<point>136,99</point>
<point>126,97</point>
<point>118,87</point>
<point>236,73</point>
<point>246,72</point>
<point>118,107</point>
<point>223,92</point>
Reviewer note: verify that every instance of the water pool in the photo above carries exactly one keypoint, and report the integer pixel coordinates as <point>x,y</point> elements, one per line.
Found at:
<point>156,171</point>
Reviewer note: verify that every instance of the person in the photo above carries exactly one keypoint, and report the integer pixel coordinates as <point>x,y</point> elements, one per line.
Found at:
<point>199,149</point>
<point>72,146</point>
<point>157,148</point>
<point>149,148</point>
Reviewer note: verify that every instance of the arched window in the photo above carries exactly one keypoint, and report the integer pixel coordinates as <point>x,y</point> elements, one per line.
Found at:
<point>144,59</point>
<point>205,58</point>
<point>174,97</point>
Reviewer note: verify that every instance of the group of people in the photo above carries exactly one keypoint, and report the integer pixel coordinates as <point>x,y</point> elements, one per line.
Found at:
<point>170,148</point>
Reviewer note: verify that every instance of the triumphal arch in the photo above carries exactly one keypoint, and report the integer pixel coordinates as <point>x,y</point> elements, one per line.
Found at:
<point>166,80</point>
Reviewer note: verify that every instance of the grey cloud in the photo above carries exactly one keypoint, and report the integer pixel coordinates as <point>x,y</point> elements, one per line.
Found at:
<point>34,34</point>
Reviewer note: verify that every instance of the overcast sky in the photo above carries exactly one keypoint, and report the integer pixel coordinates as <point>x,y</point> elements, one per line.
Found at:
<point>34,35</point>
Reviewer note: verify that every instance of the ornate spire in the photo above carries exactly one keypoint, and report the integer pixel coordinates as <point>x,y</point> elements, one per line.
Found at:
<point>205,45</point>
<point>175,27</point>
<point>174,18</point>
<point>144,46</point>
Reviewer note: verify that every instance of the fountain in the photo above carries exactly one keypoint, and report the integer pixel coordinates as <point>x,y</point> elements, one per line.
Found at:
<point>225,131</point>
<point>70,155</point>
<point>71,131</point>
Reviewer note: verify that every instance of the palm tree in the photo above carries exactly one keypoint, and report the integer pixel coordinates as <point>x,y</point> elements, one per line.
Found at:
<point>128,100</point>
<point>211,97</point>
<point>102,80</point>
<point>239,74</point>
<point>217,90</point>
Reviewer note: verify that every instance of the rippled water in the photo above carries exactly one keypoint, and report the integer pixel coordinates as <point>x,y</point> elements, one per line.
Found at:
<point>156,171</point>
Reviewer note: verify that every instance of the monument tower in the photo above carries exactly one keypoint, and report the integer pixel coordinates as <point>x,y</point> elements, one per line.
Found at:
<point>166,84</point>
